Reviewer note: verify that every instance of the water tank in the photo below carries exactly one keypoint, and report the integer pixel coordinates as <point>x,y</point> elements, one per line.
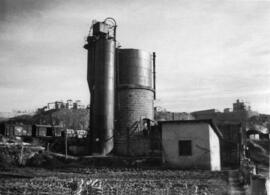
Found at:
<point>134,102</point>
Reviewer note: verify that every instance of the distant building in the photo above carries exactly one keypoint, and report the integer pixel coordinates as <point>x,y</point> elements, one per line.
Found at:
<point>226,110</point>
<point>69,104</point>
<point>71,132</point>
<point>240,114</point>
<point>191,144</point>
<point>258,135</point>
<point>51,106</point>
<point>208,111</point>
<point>54,105</point>
<point>81,133</point>
<point>40,130</point>
<point>240,106</point>
<point>13,129</point>
<point>16,129</point>
<point>76,133</point>
<point>206,114</point>
<point>78,105</point>
<point>59,105</point>
<point>43,109</point>
<point>166,115</point>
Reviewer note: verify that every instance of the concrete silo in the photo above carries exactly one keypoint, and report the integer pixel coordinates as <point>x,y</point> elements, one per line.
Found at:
<point>134,102</point>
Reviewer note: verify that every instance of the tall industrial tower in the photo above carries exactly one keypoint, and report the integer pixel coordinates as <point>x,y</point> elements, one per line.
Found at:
<point>101,80</point>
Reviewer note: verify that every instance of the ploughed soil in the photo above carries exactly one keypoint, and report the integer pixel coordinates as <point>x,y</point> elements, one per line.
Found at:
<point>28,169</point>
<point>29,180</point>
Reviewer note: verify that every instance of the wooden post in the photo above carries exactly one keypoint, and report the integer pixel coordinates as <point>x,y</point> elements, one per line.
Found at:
<point>127,141</point>
<point>21,156</point>
<point>66,144</point>
<point>48,147</point>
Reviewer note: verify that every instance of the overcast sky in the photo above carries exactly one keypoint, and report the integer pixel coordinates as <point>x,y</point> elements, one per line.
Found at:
<point>209,53</point>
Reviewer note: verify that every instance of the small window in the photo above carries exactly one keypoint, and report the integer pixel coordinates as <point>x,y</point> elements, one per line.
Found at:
<point>185,148</point>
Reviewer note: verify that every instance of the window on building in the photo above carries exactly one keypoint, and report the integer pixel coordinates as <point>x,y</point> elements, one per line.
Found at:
<point>185,148</point>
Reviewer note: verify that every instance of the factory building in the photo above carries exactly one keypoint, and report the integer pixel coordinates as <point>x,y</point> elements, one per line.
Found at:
<point>191,144</point>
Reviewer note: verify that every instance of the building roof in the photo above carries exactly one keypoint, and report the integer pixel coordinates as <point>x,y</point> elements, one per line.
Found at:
<point>254,131</point>
<point>48,126</point>
<point>208,111</point>
<point>208,121</point>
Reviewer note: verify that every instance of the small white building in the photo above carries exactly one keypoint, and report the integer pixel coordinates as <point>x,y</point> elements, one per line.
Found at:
<point>191,144</point>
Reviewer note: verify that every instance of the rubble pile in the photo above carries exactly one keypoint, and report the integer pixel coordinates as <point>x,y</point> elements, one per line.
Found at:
<point>15,152</point>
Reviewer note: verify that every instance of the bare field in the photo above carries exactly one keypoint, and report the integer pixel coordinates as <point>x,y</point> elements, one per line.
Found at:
<point>111,181</point>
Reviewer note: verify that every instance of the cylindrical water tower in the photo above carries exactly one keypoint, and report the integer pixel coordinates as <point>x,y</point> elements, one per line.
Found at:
<point>101,81</point>
<point>134,101</point>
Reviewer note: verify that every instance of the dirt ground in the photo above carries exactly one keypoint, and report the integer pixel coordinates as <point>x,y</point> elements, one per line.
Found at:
<point>110,181</point>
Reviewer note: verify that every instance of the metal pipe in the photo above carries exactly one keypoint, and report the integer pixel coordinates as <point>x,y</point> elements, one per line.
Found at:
<point>117,103</point>
<point>154,74</point>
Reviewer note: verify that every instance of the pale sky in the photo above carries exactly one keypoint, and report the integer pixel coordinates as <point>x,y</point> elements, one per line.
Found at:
<point>209,53</point>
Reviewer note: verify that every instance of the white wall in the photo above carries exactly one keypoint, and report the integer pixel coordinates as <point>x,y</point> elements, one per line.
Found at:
<point>198,133</point>
<point>215,150</point>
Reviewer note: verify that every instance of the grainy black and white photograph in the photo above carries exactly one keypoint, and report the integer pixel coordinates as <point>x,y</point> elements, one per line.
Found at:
<point>134,97</point>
